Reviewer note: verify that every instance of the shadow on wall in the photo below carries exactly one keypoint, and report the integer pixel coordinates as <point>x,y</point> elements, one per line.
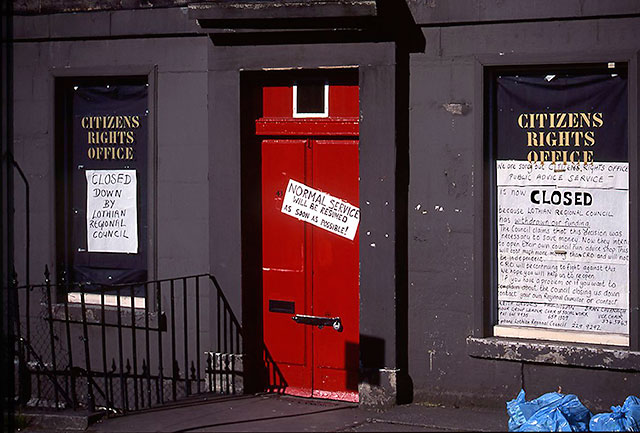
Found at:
<point>352,355</point>
<point>373,363</point>
<point>371,359</point>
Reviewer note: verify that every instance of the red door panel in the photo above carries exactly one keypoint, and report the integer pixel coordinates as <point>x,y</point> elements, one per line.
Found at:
<point>343,101</point>
<point>277,101</point>
<point>336,275</point>
<point>283,262</point>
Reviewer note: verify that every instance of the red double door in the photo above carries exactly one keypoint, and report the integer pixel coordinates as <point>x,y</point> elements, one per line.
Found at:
<point>310,271</point>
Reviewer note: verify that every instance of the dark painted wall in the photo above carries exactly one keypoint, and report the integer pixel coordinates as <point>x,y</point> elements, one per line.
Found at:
<point>179,140</point>
<point>430,12</point>
<point>424,11</point>
<point>442,210</point>
<point>53,6</point>
<point>198,159</point>
<point>377,168</point>
<point>181,145</point>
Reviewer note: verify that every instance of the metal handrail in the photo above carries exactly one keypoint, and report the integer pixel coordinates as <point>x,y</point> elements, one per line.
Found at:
<point>121,348</point>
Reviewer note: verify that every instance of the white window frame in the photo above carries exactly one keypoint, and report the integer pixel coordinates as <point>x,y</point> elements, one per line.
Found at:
<point>325,113</point>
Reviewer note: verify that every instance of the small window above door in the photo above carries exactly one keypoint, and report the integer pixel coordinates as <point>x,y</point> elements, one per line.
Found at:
<point>311,99</point>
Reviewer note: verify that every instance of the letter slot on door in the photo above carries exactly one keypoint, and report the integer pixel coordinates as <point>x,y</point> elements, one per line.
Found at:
<point>276,306</point>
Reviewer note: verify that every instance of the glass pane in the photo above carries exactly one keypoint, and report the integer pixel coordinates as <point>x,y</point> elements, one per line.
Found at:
<point>310,97</point>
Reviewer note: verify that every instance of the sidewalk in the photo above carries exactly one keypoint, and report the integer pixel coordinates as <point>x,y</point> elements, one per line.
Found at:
<point>253,413</point>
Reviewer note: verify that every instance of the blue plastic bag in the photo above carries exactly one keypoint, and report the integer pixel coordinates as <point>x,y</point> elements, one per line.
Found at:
<point>549,412</point>
<point>621,418</point>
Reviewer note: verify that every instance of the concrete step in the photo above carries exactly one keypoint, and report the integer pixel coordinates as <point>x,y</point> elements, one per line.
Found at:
<point>63,420</point>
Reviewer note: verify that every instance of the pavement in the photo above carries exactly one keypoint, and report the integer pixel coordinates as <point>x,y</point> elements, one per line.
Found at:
<point>272,412</point>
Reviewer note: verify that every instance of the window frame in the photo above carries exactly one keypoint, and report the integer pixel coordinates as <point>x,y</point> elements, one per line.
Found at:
<point>323,114</point>
<point>485,247</point>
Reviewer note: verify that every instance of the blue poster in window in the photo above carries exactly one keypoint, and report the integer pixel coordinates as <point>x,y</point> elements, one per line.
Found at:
<point>109,134</point>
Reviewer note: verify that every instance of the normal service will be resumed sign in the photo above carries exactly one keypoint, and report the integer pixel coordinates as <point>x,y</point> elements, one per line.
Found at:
<point>321,209</point>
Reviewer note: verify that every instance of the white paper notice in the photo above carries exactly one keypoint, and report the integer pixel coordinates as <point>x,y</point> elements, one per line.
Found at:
<point>563,246</point>
<point>112,221</point>
<point>321,209</point>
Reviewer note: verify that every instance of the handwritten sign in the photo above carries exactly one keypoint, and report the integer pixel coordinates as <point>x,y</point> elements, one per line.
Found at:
<point>563,245</point>
<point>112,211</point>
<point>321,209</point>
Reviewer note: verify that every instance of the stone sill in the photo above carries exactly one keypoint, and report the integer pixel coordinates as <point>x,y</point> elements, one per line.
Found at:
<point>280,9</point>
<point>93,314</point>
<point>555,353</point>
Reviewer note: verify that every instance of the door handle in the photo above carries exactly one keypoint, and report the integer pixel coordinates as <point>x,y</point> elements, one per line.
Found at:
<point>319,321</point>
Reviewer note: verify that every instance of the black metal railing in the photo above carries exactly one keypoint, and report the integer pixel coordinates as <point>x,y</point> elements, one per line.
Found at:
<point>126,347</point>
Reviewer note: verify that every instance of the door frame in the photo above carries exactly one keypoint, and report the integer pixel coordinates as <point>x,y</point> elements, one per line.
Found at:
<point>233,71</point>
<point>257,127</point>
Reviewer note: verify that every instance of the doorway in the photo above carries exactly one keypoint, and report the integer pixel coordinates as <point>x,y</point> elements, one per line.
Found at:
<point>308,133</point>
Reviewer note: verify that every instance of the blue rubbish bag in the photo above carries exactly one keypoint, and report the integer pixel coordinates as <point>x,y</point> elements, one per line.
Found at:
<point>621,418</point>
<point>549,412</point>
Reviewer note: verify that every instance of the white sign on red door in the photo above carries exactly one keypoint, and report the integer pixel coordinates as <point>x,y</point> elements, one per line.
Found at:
<point>321,209</point>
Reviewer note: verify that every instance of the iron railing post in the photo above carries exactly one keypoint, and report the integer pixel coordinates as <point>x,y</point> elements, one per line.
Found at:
<point>198,354</point>
<point>174,361</point>
<point>160,387</point>
<point>185,322</point>
<point>123,384</point>
<point>71,367</point>
<point>146,333</point>
<point>87,353</point>
<point>134,348</point>
<point>103,331</point>
<point>51,334</point>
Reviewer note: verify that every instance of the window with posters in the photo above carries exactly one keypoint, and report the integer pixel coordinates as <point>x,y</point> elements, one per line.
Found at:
<point>101,165</point>
<point>561,204</point>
